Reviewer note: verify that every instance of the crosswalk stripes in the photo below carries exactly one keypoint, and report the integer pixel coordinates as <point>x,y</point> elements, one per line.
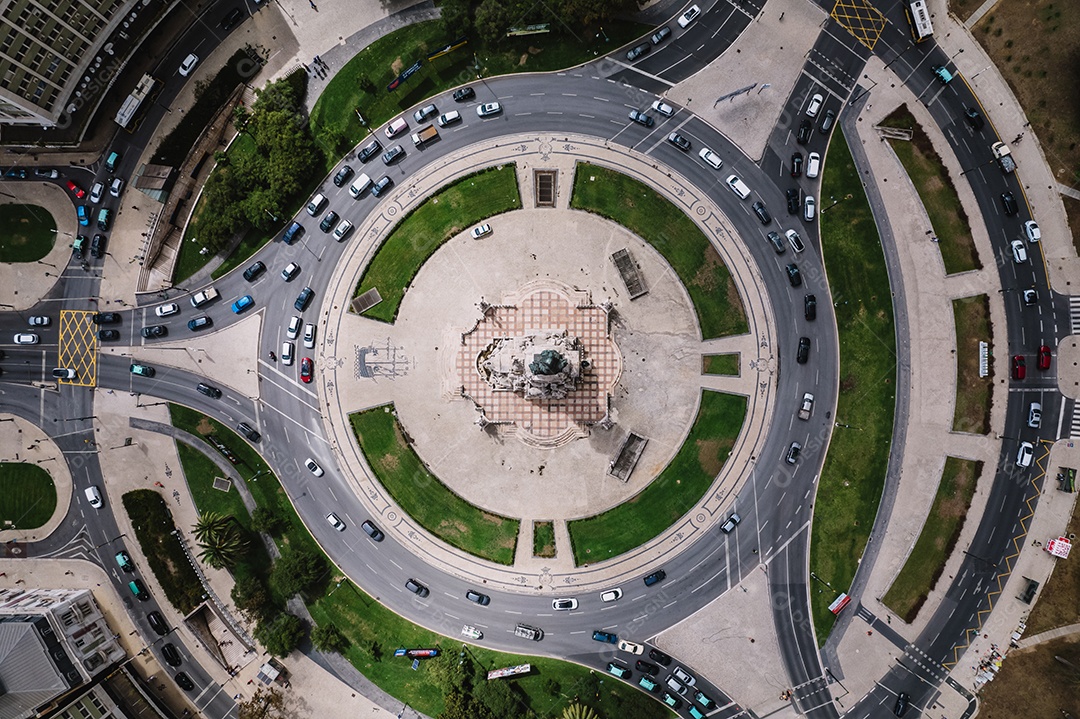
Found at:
<point>1074,429</point>
<point>1074,314</point>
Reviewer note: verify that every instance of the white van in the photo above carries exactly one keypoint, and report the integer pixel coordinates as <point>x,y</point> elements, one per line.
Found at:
<point>360,185</point>
<point>93,495</point>
<point>397,127</point>
<point>738,187</point>
<point>813,165</point>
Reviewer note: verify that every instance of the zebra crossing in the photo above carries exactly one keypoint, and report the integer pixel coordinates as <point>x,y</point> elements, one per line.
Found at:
<point>1074,314</point>
<point>1074,428</point>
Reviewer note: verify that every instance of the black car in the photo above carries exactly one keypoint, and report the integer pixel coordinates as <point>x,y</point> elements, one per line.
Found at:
<point>205,389</point>
<point>172,656</point>
<point>184,681</point>
<point>16,173</point>
<point>777,242</point>
<point>974,118</point>
<point>381,186</point>
<point>639,51</point>
<point>343,175</point>
<point>793,275</point>
<point>229,21</point>
<point>655,578</point>
<point>108,335</point>
<point>901,705</point>
<point>199,323</point>
<point>97,246</point>
<point>679,141</point>
<point>796,164</point>
<point>254,271</point>
<point>659,657</point>
<point>303,299</point>
<point>105,318</point>
<point>804,351</point>
<point>810,307</point>
<point>369,151</point>
<point>393,154</point>
<point>643,666</point>
<point>762,213</point>
<point>329,221</point>
<point>372,531</point>
<point>793,201</point>
<point>417,588</point>
<point>1008,203</point>
<point>641,118</point>
<point>660,35</point>
<point>463,94</point>
<point>155,331</point>
<point>482,599</point>
<point>157,623</point>
<point>805,130</point>
<point>245,429</point>
<point>1031,297</point>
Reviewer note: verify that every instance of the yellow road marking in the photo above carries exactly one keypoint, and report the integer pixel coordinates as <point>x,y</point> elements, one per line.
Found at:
<point>78,347</point>
<point>861,19</point>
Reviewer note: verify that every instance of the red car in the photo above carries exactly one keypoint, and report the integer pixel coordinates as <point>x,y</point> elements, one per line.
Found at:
<point>307,369</point>
<point>1044,357</point>
<point>76,190</point>
<point>1018,369</point>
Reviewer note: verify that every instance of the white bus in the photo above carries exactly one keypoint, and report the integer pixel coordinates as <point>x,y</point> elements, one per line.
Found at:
<point>134,101</point>
<point>919,18</point>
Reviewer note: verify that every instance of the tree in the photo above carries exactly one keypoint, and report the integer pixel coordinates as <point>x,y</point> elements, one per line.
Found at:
<point>447,673</point>
<point>266,703</point>
<point>457,706</point>
<point>252,598</point>
<point>501,698</point>
<point>578,711</point>
<point>282,634</point>
<point>209,524</point>
<point>492,20</point>
<point>221,540</point>
<point>296,570</point>
<point>328,638</point>
<point>266,520</point>
<point>455,17</point>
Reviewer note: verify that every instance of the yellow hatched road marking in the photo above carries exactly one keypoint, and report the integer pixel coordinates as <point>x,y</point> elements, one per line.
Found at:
<point>861,19</point>
<point>78,347</point>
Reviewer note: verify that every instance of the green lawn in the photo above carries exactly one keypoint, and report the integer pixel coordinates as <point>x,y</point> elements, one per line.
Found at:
<point>673,493</point>
<point>936,541</point>
<point>853,476</point>
<point>361,84</point>
<point>938,195</point>
<point>973,393</point>
<point>27,233</point>
<point>725,364</point>
<point>654,219</point>
<point>27,496</point>
<point>423,497</point>
<point>154,529</point>
<point>455,208</point>
<point>543,539</point>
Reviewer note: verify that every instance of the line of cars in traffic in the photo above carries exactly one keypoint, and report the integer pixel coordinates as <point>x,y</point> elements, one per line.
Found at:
<point>85,212</point>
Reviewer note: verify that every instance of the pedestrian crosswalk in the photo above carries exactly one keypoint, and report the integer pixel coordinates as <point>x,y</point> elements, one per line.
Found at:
<point>1074,314</point>
<point>1074,429</point>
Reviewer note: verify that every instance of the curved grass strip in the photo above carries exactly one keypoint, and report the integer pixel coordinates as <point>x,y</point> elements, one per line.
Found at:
<point>27,496</point>
<point>475,197</point>
<point>27,233</point>
<point>423,497</point>
<point>673,493</point>
<point>653,218</point>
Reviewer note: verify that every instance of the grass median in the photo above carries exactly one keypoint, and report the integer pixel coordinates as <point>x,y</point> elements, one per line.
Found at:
<point>673,493</point>
<point>725,364</point>
<point>28,498</point>
<point>543,539</point>
<point>937,539</point>
<point>475,197</point>
<point>973,393</point>
<point>27,233</point>
<point>153,524</point>
<point>853,476</point>
<point>423,497</point>
<point>938,194</point>
<point>653,218</point>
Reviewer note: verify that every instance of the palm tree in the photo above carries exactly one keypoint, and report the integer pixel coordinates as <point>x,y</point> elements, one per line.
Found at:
<point>578,711</point>
<point>220,539</point>
<point>209,524</point>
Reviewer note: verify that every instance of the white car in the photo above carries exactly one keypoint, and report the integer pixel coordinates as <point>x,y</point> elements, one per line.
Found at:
<point>1025,455</point>
<point>611,595</point>
<point>689,16</point>
<point>309,336</point>
<point>116,187</point>
<point>38,321</point>
<point>293,330</point>
<point>26,338</point>
<point>471,632</point>
<point>481,231</point>
<point>314,467</point>
<point>488,109</point>
<point>342,230</point>
<point>631,647</point>
<point>95,192</point>
<point>564,605</point>
<point>813,165</point>
<point>166,310</point>
<point>317,203</point>
<point>188,64</point>
<point>663,108</point>
<point>290,271</point>
<point>1019,252</point>
<point>288,350</point>
<point>1035,415</point>
<point>1031,229</point>
<point>710,158</point>
<point>335,522</point>
<point>815,105</point>
<point>809,208</point>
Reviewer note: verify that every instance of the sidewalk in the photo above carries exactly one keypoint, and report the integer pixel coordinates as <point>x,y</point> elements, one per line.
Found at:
<point>22,441</point>
<point>23,284</point>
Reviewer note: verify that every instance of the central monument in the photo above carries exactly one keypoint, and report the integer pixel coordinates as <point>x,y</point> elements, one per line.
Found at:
<point>541,365</point>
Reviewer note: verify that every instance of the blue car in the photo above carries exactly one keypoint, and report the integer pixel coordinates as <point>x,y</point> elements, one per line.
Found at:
<point>607,637</point>
<point>84,216</point>
<point>242,304</point>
